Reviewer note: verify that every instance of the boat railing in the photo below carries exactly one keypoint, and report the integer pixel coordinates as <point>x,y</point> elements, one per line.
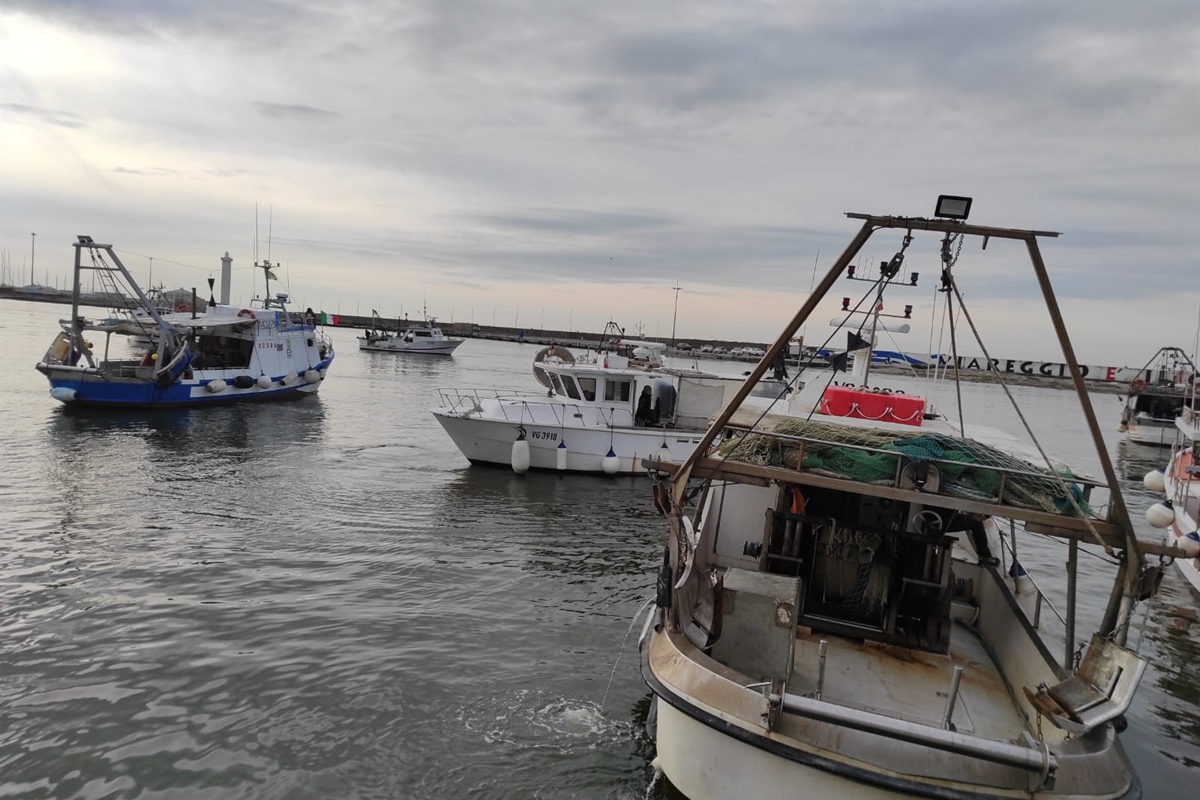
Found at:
<point>1018,573</point>
<point>1031,759</point>
<point>517,407</point>
<point>466,400</point>
<point>810,443</point>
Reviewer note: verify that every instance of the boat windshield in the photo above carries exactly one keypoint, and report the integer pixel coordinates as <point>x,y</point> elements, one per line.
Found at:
<point>558,387</point>
<point>569,385</point>
<point>588,386</point>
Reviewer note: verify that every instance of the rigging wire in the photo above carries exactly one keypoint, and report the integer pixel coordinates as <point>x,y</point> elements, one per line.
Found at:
<point>940,365</point>
<point>875,288</point>
<point>962,427</point>
<point>161,260</point>
<point>813,282</point>
<point>1021,415</point>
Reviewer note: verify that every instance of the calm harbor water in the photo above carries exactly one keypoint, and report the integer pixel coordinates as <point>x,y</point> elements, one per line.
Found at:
<point>321,599</point>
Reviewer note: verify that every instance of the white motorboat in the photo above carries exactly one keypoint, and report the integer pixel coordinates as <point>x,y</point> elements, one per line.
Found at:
<point>839,610</point>
<point>602,413</point>
<point>205,355</point>
<point>422,338</point>
<point>1157,394</point>
<point>1179,514</point>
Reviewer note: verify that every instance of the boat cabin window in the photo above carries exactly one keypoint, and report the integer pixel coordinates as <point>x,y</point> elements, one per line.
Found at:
<point>569,385</point>
<point>619,391</point>
<point>558,387</point>
<point>588,385</point>
<point>426,334</point>
<point>220,352</point>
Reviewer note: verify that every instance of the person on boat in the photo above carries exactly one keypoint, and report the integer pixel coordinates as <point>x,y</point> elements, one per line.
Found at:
<point>645,409</point>
<point>781,372</point>
<point>979,541</point>
<point>310,316</point>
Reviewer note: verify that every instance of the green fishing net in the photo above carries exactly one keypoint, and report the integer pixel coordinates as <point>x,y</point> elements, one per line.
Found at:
<point>968,468</point>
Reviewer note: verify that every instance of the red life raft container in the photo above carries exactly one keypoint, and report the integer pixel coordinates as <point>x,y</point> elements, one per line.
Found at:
<point>875,405</point>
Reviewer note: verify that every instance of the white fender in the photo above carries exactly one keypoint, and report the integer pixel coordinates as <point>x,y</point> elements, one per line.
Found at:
<point>264,382</point>
<point>610,464</point>
<point>216,386</point>
<point>1161,515</point>
<point>520,456</point>
<point>560,455</point>
<point>1155,481</point>
<point>312,376</point>
<point>289,379</point>
<point>1189,544</point>
<point>63,394</point>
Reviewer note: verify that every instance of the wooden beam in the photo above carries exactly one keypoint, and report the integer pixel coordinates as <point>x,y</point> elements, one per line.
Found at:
<point>1144,547</point>
<point>950,226</point>
<point>1035,521</point>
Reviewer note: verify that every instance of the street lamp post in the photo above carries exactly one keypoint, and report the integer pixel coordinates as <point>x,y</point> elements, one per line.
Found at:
<point>675,316</point>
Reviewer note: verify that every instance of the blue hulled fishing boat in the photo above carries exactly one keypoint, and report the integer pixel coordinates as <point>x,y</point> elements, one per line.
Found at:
<point>198,354</point>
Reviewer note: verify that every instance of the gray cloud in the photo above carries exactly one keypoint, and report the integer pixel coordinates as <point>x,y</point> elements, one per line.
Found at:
<point>486,142</point>
<point>572,221</point>
<point>266,23</point>
<point>57,118</point>
<point>293,110</point>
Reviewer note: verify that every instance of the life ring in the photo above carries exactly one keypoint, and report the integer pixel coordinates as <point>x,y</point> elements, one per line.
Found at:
<point>246,313</point>
<point>183,307</point>
<point>1137,385</point>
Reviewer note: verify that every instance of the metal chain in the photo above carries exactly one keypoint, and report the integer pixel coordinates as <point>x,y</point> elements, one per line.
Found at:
<point>947,259</point>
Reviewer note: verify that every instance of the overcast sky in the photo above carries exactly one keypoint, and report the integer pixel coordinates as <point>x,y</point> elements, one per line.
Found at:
<point>561,161</point>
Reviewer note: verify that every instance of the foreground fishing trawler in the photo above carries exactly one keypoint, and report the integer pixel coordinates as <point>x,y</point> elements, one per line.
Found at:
<point>201,354</point>
<point>840,613</point>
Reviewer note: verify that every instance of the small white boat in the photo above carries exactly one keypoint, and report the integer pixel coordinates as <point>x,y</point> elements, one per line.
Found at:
<point>1179,514</point>
<point>211,355</point>
<point>423,338</point>
<point>1157,395</point>
<point>840,615</point>
<point>162,304</point>
<point>602,413</point>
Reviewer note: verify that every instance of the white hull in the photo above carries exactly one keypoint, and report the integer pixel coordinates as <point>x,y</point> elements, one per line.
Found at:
<point>443,348</point>
<point>1183,496</point>
<point>485,441</point>
<point>705,764</point>
<point>1188,567</point>
<point>713,742</point>
<point>1151,432</point>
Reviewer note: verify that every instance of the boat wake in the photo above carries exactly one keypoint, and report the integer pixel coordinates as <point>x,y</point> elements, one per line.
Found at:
<point>530,718</point>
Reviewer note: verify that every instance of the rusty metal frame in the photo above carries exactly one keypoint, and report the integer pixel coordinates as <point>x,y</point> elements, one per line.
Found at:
<point>870,224</point>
